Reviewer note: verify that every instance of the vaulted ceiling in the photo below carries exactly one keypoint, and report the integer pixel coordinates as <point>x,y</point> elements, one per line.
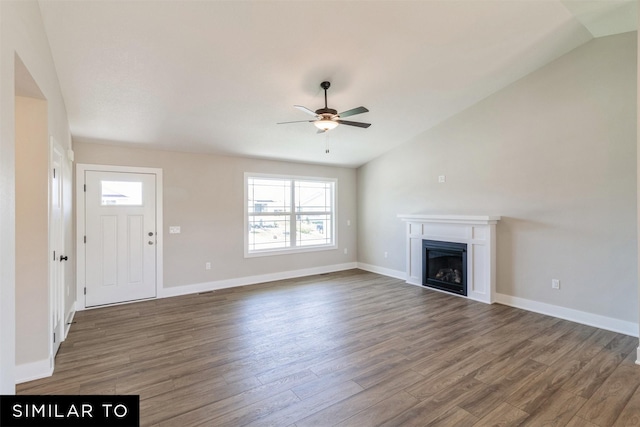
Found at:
<point>216,76</point>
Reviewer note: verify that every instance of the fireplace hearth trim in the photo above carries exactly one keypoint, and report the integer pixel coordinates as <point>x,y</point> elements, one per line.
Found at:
<point>478,232</point>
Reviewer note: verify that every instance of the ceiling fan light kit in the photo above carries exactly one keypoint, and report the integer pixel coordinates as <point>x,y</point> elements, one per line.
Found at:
<point>328,118</point>
<point>325,124</point>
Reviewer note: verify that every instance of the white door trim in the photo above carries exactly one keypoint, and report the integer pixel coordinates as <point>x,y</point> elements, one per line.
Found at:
<point>81,168</point>
<point>56,250</point>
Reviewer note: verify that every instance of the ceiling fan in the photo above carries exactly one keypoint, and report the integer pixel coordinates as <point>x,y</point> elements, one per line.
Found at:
<point>327,118</point>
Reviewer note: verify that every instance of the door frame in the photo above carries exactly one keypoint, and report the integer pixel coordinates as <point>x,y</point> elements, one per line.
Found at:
<point>81,168</point>
<point>56,268</point>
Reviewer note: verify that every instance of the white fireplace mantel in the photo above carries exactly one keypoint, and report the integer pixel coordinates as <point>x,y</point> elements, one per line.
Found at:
<point>477,231</point>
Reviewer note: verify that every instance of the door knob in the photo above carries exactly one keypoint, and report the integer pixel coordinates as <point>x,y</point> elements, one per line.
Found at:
<point>150,242</point>
<point>63,258</point>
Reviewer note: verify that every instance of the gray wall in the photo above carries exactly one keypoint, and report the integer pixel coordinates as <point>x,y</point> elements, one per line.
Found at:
<point>555,155</point>
<point>204,195</point>
<point>21,35</point>
<point>32,231</point>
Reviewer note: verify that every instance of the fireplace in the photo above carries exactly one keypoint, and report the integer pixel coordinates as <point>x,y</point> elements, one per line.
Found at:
<point>444,266</point>
<point>478,232</point>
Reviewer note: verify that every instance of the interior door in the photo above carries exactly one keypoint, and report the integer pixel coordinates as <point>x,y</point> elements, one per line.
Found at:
<point>56,244</point>
<point>120,233</point>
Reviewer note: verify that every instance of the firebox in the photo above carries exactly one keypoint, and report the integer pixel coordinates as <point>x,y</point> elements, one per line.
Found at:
<point>444,266</point>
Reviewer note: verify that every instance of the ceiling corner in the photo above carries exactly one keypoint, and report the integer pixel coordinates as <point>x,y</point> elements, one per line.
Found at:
<point>605,18</point>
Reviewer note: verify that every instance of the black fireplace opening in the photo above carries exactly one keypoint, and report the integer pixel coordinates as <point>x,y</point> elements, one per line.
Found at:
<point>444,266</point>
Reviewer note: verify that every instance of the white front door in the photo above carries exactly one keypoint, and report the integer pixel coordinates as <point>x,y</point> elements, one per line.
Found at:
<point>120,232</point>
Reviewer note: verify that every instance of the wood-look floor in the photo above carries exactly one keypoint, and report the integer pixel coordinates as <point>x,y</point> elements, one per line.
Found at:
<point>348,349</point>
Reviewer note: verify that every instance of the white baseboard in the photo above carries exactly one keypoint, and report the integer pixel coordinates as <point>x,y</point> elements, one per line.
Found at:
<point>396,274</point>
<point>252,280</point>
<point>595,320</point>
<point>590,319</point>
<point>41,368</point>
<point>69,320</point>
<point>34,370</point>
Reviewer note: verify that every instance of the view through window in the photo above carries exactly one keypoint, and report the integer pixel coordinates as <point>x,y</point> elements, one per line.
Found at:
<point>121,193</point>
<point>289,213</point>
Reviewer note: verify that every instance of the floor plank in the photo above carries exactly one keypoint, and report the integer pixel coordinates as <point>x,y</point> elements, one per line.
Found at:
<point>607,403</point>
<point>504,415</point>
<point>630,415</point>
<point>350,348</point>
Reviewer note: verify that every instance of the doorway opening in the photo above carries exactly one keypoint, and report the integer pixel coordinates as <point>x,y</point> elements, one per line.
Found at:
<point>38,313</point>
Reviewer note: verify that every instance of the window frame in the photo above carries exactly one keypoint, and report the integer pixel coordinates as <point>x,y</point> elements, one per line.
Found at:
<point>292,248</point>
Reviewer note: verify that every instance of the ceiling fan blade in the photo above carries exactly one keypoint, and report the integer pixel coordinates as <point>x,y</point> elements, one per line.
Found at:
<point>353,112</point>
<point>296,121</point>
<point>306,110</point>
<point>358,124</point>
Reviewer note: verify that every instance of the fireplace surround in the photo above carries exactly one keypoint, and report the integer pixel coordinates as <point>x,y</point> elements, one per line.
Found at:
<point>477,232</point>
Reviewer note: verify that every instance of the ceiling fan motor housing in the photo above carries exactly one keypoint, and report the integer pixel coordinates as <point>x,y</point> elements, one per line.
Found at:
<point>322,111</point>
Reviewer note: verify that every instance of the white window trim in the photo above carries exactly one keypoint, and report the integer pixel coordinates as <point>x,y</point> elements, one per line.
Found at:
<point>295,249</point>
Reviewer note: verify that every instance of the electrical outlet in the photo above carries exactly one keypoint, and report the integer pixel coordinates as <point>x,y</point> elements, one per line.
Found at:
<point>207,266</point>
<point>555,283</point>
<point>442,178</point>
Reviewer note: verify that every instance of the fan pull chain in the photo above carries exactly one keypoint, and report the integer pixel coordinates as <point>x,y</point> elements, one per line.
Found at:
<point>326,142</point>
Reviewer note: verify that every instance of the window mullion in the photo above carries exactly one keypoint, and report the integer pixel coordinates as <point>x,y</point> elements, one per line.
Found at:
<point>293,232</point>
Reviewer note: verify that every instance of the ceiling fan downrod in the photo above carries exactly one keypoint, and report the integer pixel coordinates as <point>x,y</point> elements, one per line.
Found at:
<point>325,86</point>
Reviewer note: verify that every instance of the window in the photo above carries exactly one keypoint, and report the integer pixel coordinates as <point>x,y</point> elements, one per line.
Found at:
<point>121,193</point>
<point>289,214</point>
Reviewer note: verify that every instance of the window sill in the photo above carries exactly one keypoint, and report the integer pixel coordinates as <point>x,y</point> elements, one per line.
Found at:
<point>291,251</point>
